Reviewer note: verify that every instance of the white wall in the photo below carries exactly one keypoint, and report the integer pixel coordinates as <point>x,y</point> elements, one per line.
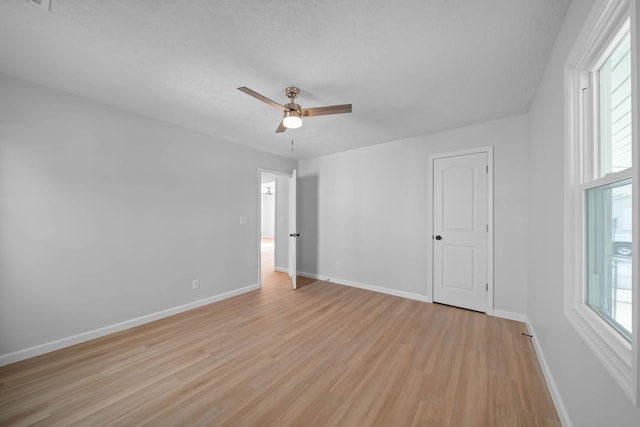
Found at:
<point>281,260</point>
<point>590,396</point>
<point>364,213</point>
<point>106,216</point>
<point>268,214</point>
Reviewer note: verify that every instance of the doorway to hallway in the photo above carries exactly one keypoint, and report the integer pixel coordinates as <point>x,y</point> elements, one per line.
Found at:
<point>274,229</point>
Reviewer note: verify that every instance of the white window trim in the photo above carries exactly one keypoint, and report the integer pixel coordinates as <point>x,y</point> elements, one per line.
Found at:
<point>619,357</point>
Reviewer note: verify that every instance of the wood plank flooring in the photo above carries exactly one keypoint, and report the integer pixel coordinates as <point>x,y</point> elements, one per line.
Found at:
<point>320,356</point>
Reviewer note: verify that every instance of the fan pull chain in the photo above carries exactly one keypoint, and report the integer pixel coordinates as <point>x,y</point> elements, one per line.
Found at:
<point>292,145</point>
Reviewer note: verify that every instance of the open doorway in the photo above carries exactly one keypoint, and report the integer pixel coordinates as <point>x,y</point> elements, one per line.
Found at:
<point>267,223</point>
<point>274,228</point>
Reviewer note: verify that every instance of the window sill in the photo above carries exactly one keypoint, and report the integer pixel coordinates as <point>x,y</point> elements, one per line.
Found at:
<point>613,351</point>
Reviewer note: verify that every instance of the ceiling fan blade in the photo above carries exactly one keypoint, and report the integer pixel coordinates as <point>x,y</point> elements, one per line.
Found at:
<point>281,128</point>
<point>323,111</point>
<point>262,98</point>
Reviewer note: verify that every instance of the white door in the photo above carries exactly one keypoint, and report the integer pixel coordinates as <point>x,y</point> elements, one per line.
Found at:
<point>293,233</point>
<point>460,231</point>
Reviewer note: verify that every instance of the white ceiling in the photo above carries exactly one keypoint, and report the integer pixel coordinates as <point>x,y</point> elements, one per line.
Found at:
<point>409,68</point>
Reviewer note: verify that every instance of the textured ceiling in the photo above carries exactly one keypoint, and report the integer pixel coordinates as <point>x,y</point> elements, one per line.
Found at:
<point>408,67</point>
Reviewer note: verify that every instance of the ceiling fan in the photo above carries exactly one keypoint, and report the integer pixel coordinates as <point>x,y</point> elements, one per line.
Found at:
<point>292,112</point>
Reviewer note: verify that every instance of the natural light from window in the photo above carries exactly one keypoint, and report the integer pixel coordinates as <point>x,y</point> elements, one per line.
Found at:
<point>601,199</point>
<point>615,110</point>
<point>608,254</point>
<point>608,209</point>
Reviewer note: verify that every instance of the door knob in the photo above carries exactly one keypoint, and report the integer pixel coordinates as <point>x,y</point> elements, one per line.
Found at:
<point>294,235</point>
<point>438,237</point>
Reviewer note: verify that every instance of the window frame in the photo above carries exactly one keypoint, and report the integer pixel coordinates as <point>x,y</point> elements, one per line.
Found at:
<point>608,22</point>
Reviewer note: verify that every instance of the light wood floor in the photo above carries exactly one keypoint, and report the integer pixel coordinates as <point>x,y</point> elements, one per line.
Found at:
<point>322,355</point>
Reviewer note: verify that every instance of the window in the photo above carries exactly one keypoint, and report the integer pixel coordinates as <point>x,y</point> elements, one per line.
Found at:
<point>608,231</point>
<point>614,101</point>
<point>608,209</point>
<point>600,222</point>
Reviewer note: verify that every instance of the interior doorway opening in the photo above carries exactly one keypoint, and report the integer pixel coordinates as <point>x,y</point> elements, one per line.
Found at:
<point>274,228</point>
<point>268,192</point>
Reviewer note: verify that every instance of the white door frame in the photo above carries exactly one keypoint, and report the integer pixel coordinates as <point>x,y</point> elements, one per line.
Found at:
<point>489,152</point>
<point>293,229</point>
<point>279,174</point>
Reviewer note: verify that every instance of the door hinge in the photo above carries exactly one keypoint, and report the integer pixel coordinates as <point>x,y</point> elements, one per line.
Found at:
<point>487,228</point>
<point>487,168</point>
<point>486,288</point>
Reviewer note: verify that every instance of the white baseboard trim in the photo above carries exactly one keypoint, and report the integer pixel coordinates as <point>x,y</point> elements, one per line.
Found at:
<point>380,289</point>
<point>281,269</point>
<point>563,414</point>
<point>37,350</point>
<point>518,317</point>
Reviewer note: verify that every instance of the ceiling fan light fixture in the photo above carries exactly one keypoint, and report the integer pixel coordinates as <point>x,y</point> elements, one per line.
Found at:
<point>293,113</point>
<point>292,119</point>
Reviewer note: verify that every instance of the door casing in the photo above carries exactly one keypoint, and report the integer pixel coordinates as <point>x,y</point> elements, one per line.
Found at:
<point>259,237</point>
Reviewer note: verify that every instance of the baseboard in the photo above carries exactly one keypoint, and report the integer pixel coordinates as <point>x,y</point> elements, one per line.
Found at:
<point>380,289</point>
<point>37,350</point>
<point>281,269</point>
<point>518,317</point>
<point>563,414</point>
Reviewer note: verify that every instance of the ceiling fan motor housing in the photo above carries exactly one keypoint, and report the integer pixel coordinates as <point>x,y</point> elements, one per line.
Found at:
<point>292,106</point>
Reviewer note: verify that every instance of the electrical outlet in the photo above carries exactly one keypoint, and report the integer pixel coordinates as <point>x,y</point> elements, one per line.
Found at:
<point>195,284</point>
